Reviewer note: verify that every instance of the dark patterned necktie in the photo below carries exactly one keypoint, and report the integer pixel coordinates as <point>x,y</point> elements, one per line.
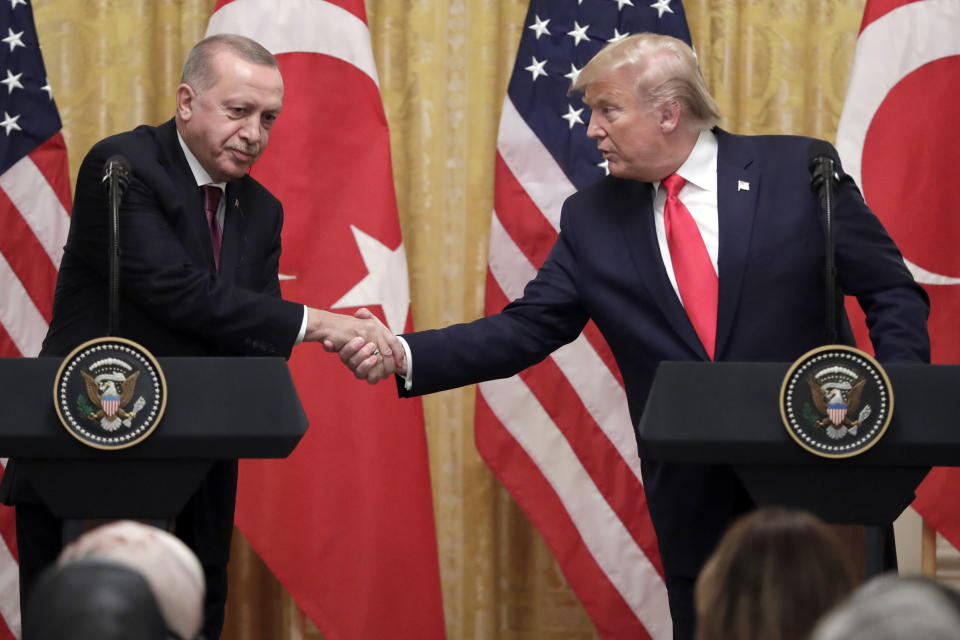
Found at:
<point>211,202</point>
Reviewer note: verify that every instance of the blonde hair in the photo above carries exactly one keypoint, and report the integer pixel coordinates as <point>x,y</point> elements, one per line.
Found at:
<point>667,71</point>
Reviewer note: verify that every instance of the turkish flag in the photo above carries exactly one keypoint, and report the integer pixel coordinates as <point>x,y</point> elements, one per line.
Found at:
<point>346,522</point>
<point>897,138</point>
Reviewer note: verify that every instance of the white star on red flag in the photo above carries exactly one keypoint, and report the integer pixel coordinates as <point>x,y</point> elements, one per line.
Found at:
<point>385,284</point>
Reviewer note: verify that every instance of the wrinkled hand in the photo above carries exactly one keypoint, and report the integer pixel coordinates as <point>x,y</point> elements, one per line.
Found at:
<point>361,358</point>
<point>366,346</point>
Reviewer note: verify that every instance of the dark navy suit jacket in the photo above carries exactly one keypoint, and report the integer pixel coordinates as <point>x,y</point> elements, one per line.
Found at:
<point>172,301</point>
<point>606,266</point>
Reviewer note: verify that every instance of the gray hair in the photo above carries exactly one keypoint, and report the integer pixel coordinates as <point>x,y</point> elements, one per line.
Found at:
<point>667,71</point>
<point>198,70</point>
<point>890,608</point>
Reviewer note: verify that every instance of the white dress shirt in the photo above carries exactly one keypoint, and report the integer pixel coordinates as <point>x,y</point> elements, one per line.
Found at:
<point>699,196</point>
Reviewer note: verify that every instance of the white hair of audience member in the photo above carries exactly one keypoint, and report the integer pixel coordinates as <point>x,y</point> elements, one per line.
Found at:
<point>890,608</point>
<point>169,566</point>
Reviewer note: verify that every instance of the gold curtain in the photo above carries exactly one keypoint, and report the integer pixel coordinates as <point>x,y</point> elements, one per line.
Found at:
<point>773,65</point>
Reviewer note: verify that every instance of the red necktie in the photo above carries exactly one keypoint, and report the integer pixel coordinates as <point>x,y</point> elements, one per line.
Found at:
<point>696,278</point>
<point>211,201</point>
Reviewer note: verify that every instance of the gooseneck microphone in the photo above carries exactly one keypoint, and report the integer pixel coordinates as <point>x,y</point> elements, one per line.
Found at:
<point>823,181</point>
<point>116,178</point>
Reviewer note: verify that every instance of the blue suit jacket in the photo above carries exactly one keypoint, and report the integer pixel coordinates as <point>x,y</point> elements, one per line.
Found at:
<point>606,266</point>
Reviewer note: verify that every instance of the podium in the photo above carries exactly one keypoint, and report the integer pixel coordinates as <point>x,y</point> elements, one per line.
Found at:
<point>217,408</point>
<point>727,413</point>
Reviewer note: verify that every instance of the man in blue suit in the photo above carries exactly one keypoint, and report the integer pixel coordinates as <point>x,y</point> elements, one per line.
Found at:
<point>700,245</point>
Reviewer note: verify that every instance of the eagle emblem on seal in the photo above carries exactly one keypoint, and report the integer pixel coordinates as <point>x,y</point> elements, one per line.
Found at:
<point>838,404</point>
<point>111,395</point>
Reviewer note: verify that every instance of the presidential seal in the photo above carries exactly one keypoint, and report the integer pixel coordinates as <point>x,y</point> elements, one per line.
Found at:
<point>110,393</point>
<point>836,401</point>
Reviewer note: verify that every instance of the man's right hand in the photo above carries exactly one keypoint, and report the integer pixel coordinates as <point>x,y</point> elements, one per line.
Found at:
<point>366,346</point>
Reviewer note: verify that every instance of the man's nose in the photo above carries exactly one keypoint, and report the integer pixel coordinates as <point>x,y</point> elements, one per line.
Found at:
<point>594,130</point>
<point>250,131</point>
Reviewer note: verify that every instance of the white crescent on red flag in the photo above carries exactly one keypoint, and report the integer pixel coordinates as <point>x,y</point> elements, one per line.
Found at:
<point>346,522</point>
<point>897,139</point>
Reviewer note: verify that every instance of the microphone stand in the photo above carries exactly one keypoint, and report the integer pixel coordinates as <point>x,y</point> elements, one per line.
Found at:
<point>824,178</point>
<point>118,177</point>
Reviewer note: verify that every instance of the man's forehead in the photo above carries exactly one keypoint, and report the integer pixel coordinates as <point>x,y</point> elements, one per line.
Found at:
<point>607,88</point>
<point>621,78</point>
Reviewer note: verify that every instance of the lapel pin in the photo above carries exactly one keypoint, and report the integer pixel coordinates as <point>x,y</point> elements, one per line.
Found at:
<point>743,185</point>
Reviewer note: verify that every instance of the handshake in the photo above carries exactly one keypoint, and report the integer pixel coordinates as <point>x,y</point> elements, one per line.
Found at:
<point>365,345</point>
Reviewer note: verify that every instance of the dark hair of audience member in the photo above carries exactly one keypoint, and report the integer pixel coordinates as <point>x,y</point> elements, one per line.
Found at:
<point>774,573</point>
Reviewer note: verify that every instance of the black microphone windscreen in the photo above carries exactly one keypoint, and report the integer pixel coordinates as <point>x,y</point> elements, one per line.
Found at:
<point>118,165</point>
<point>818,149</point>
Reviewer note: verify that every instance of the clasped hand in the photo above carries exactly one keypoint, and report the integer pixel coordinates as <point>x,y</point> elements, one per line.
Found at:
<point>365,345</point>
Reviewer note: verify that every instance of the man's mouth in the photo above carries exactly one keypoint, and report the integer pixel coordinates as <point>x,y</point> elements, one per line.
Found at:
<point>245,155</point>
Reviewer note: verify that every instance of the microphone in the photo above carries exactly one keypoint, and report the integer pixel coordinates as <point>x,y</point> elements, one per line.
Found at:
<point>823,180</point>
<point>822,174</point>
<point>116,175</point>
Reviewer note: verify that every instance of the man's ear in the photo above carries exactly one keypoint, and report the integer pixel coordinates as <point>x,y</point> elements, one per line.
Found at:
<point>669,116</point>
<point>186,101</point>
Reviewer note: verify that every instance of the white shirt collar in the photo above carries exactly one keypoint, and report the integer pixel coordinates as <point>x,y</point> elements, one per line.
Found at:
<point>700,167</point>
<point>199,173</point>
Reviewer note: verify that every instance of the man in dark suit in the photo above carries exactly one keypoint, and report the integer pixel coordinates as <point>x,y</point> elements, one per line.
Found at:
<point>200,248</point>
<point>700,245</point>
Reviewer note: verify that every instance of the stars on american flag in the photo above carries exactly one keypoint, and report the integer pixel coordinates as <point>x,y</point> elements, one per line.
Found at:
<point>593,26</point>
<point>536,68</point>
<point>27,105</point>
<point>14,39</point>
<point>579,34</point>
<point>573,116</point>
<point>539,26</point>
<point>12,81</point>
<point>10,122</point>
<point>662,6</point>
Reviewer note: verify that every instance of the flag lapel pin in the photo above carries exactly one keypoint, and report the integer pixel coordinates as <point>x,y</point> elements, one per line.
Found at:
<point>743,185</point>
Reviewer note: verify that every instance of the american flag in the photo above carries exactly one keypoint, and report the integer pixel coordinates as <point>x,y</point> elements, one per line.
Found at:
<point>34,218</point>
<point>558,435</point>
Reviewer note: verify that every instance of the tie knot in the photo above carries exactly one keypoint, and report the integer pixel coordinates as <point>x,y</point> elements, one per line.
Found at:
<point>673,183</point>
<point>211,197</point>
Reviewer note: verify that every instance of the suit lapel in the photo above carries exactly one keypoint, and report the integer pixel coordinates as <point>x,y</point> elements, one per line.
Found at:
<point>191,199</point>
<point>738,183</point>
<point>635,204</point>
<point>231,251</point>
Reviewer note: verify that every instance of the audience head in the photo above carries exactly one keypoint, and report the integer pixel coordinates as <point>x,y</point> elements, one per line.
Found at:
<point>93,600</point>
<point>774,573</point>
<point>891,607</point>
<point>168,565</point>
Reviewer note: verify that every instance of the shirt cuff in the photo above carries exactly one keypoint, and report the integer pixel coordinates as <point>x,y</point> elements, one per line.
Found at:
<point>408,379</point>
<point>303,327</point>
